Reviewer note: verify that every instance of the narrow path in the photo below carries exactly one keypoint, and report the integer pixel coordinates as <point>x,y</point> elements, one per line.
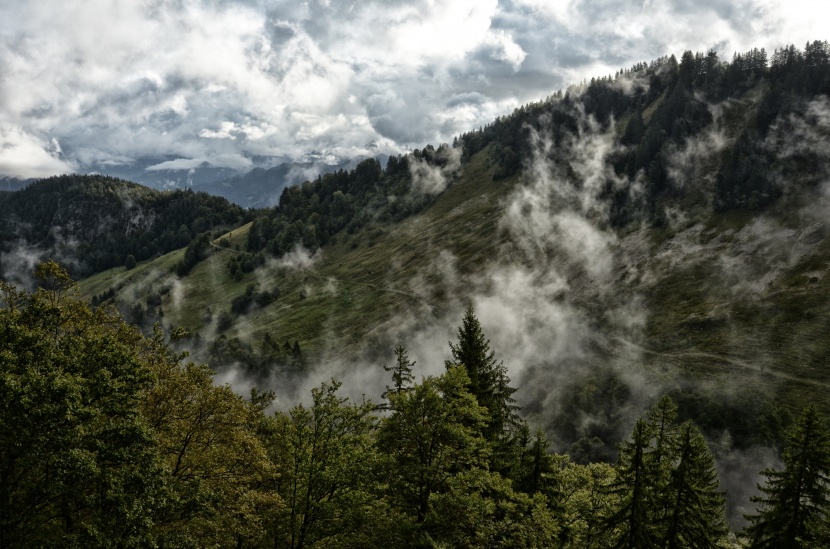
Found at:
<point>722,358</point>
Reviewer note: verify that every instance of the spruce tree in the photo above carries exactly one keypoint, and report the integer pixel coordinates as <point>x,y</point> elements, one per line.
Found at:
<point>661,418</point>
<point>402,377</point>
<point>795,503</point>
<point>666,487</point>
<point>696,516</point>
<point>489,382</point>
<point>632,525</point>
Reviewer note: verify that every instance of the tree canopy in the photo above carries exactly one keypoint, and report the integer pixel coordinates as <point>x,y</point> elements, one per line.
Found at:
<point>111,438</point>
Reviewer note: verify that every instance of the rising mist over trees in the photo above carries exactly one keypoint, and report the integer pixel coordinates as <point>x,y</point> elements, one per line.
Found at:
<point>658,105</point>
<point>110,438</point>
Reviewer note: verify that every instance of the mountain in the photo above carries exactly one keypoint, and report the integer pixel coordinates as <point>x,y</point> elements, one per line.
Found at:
<point>95,222</point>
<point>165,172</point>
<point>661,230</point>
<point>11,184</point>
<point>260,187</point>
<point>256,187</point>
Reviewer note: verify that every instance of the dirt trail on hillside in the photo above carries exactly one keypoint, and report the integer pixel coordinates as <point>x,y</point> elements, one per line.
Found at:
<point>729,360</point>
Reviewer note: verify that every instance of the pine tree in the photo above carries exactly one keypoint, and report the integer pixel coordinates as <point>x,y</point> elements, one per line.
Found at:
<point>533,466</point>
<point>795,505</point>
<point>402,377</point>
<point>696,508</point>
<point>661,418</point>
<point>489,382</point>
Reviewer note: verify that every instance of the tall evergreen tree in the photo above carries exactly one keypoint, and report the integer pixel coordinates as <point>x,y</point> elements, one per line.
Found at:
<point>402,377</point>
<point>632,525</point>
<point>489,382</point>
<point>795,503</point>
<point>666,490</point>
<point>695,506</point>
<point>433,434</point>
<point>662,420</point>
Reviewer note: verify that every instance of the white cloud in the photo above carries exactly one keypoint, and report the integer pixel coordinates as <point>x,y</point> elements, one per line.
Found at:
<point>233,161</point>
<point>197,79</point>
<point>23,155</point>
<point>505,49</point>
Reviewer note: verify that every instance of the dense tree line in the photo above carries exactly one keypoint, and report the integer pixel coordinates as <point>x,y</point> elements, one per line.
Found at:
<point>662,103</point>
<point>100,221</point>
<point>312,213</point>
<point>110,438</point>
<point>657,105</point>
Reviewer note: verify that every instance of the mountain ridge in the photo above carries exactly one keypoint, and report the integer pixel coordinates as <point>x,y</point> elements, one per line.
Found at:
<point>613,239</point>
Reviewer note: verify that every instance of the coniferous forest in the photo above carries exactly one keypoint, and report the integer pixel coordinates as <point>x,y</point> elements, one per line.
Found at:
<point>111,438</point>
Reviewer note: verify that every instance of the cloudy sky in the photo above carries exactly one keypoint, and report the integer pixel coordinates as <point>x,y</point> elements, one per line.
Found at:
<point>86,84</point>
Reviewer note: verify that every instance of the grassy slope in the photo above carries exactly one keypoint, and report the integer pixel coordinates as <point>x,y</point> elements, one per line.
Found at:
<point>355,284</point>
<point>771,340</point>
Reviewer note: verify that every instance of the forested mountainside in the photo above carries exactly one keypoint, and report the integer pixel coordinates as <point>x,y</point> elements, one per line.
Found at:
<point>655,108</point>
<point>668,220</point>
<point>95,222</point>
<point>658,232</point>
<point>107,438</point>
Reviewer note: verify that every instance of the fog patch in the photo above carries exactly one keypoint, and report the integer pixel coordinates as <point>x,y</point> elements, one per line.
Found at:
<point>299,258</point>
<point>17,266</point>
<point>739,472</point>
<point>432,179</point>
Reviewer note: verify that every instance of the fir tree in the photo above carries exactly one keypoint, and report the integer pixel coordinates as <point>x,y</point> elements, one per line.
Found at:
<point>488,378</point>
<point>666,488</point>
<point>795,505</point>
<point>632,525</point>
<point>662,418</point>
<point>402,377</point>
<point>696,508</point>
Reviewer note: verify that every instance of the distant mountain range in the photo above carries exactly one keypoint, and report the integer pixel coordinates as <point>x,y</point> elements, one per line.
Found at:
<point>13,184</point>
<point>259,187</point>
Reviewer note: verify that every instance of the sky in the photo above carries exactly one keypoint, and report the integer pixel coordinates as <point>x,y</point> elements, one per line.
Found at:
<point>90,84</point>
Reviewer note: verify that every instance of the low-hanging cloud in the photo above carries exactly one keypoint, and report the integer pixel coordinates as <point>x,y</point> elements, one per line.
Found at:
<point>432,179</point>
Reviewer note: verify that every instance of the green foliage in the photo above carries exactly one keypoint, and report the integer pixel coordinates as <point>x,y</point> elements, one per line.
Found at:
<point>488,378</point>
<point>437,470</point>
<point>694,514</point>
<point>216,465</point>
<point>402,377</point>
<point>312,213</point>
<point>109,219</point>
<point>106,439</point>
<point>435,430</point>
<point>252,297</point>
<point>77,462</point>
<point>197,250</point>
<point>327,463</point>
<point>794,508</point>
<point>666,489</point>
